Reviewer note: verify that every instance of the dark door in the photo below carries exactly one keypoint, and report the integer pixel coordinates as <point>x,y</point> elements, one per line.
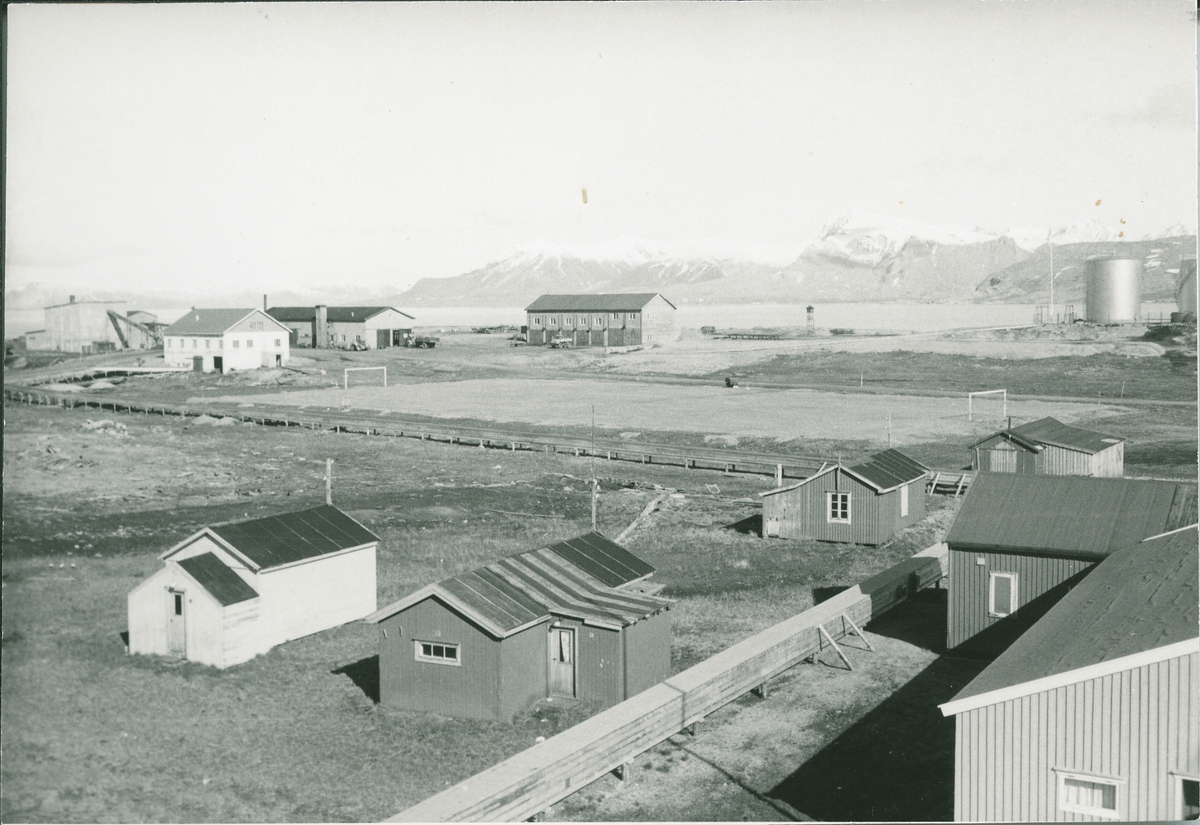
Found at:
<point>218,363</point>
<point>562,661</point>
<point>198,363</point>
<point>176,629</point>
<point>383,337</point>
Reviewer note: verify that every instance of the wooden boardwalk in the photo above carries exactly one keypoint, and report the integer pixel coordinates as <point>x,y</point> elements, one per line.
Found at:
<point>528,783</point>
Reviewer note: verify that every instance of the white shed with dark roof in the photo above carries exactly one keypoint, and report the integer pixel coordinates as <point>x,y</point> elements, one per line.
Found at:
<point>232,591</point>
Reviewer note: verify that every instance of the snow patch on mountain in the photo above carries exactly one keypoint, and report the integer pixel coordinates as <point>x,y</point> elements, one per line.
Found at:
<point>633,251</point>
<point>869,238</point>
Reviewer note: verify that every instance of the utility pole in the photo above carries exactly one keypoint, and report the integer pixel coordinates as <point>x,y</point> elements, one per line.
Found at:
<point>329,481</point>
<point>595,483</point>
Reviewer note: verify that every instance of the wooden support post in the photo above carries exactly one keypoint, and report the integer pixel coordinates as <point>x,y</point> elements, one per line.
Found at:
<point>622,771</point>
<point>329,481</point>
<point>857,631</point>
<point>829,639</point>
<point>692,728</point>
<point>778,475</point>
<point>763,691</point>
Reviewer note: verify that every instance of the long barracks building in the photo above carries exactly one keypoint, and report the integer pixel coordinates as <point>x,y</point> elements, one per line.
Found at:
<point>606,320</point>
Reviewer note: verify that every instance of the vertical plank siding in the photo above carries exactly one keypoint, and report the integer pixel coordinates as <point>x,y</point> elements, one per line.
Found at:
<point>874,517</point>
<point>647,654</point>
<point>968,597</point>
<point>999,455</point>
<point>531,781</point>
<point>1140,727</point>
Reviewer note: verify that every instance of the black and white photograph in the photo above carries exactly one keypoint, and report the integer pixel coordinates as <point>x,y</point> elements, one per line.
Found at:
<point>658,411</point>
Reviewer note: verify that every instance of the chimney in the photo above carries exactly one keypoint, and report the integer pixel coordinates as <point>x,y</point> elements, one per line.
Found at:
<point>321,327</point>
<point>72,299</point>
<point>264,303</point>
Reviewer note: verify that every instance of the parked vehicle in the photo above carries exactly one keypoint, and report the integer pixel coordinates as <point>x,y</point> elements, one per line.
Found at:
<point>421,341</point>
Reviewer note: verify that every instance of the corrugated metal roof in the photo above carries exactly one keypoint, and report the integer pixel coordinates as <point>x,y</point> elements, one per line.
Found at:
<point>512,593</point>
<point>207,321</point>
<point>606,302</point>
<point>889,469</point>
<point>1053,432</point>
<point>1067,515</point>
<point>290,537</point>
<point>605,560</point>
<point>336,315</point>
<point>1141,597</point>
<point>222,583</point>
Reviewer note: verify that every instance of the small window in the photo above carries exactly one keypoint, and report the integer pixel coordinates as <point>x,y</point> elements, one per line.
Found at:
<point>437,652</point>
<point>207,343</point>
<point>250,342</point>
<point>178,603</point>
<point>839,507</point>
<point>1002,594</point>
<point>536,321</point>
<point>904,501</point>
<point>276,342</point>
<point>194,343</point>
<point>221,344</point>
<point>616,316</point>
<point>168,343</point>
<point>567,320</point>
<point>553,320</point>
<point>583,320</point>
<point>599,321</point>
<point>235,343</point>
<point>1189,799</point>
<point>1089,795</point>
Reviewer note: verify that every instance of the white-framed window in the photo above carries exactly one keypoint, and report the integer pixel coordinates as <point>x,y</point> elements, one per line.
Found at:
<point>207,343</point>
<point>616,316</point>
<point>837,507</point>
<point>235,343</point>
<point>1080,793</point>
<point>553,320</point>
<point>250,342</point>
<point>437,652</point>
<point>277,342</point>
<point>1187,796</point>
<point>536,321</point>
<point>568,320</point>
<point>221,344</point>
<point>169,342</point>
<point>904,501</point>
<point>583,320</point>
<point>631,317</point>
<point>195,343</point>
<point>1002,594</point>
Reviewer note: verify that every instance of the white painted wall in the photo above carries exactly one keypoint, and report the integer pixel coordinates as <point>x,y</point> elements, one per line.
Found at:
<point>317,595</point>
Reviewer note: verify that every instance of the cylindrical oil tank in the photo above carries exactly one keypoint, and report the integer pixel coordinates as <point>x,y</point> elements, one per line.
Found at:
<point>1185,292</point>
<point>1114,290</point>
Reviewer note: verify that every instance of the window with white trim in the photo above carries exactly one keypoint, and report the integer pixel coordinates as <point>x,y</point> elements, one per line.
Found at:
<point>536,321</point>
<point>904,501</point>
<point>250,342</point>
<point>1002,594</point>
<point>195,343</point>
<point>553,321</point>
<point>616,316</point>
<point>436,652</point>
<point>1188,807</point>
<point>837,508</point>
<point>235,343</point>
<point>277,340</point>
<point>1090,795</point>
<point>207,343</point>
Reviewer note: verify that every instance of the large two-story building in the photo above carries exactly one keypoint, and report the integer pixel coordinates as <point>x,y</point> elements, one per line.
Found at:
<point>602,320</point>
<point>221,340</point>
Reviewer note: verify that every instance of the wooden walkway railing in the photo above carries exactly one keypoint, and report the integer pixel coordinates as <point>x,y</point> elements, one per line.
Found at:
<point>530,782</point>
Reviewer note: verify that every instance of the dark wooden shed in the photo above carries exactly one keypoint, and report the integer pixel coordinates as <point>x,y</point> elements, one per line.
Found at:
<point>1019,542</point>
<point>1094,713</point>
<point>866,503</point>
<point>572,622</point>
<point>1049,447</point>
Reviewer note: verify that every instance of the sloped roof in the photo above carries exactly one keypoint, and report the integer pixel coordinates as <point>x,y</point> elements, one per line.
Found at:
<point>608,562</point>
<point>881,472</point>
<point>278,540</point>
<point>600,302</point>
<point>889,469</point>
<point>222,583</point>
<point>208,321</point>
<point>1141,598</point>
<point>1073,516</point>
<point>1053,432</point>
<point>336,315</point>
<point>511,594</point>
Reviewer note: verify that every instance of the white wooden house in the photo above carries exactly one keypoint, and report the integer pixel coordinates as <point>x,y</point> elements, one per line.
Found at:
<point>221,340</point>
<point>232,591</point>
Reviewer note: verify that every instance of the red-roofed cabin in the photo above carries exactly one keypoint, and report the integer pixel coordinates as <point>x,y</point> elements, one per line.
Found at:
<point>1094,713</point>
<point>573,622</point>
<point>1019,542</point>
<point>232,591</point>
<point>866,503</point>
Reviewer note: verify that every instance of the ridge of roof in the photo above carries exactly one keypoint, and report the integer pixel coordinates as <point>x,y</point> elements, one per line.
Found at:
<point>593,302</point>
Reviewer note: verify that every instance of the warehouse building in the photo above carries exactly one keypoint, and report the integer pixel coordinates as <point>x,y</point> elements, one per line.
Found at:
<point>223,340</point>
<point>344,327</point>
<point>866,503</point>
<point>89,327</point>
<point>612,320</point>
<point>1019,542</point>
<point>573,622</point>
<point>1094,713</point>
<point>1049,447</point>
<point>232,591</point>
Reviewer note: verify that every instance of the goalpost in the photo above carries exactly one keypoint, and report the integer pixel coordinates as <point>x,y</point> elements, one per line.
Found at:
<point>971,398</point>
<point>348,370</point>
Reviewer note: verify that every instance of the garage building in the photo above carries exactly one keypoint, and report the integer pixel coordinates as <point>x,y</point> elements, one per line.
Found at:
<point>343,327</point>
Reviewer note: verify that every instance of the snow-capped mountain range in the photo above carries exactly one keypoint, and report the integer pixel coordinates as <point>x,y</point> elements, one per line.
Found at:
<point>858,256</point>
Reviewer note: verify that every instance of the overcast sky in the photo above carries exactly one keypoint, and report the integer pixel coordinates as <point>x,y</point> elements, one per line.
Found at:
<point>319,144</point>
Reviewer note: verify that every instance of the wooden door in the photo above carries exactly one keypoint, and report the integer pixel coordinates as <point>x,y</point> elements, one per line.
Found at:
<point>176,628</point>
<point>562,661</point>
<point>383,337</point>
<point>773,526</point>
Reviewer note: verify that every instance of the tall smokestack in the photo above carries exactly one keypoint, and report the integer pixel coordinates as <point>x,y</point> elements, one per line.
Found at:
<point>321,327</point>
<point>264,303</point>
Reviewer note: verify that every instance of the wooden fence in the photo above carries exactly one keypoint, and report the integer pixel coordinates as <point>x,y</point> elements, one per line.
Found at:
<point>530,782</point>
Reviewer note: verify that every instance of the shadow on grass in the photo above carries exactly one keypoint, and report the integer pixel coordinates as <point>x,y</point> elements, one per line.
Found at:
<point>903,746</point>
<point>365,674</point>
<point>824,594</point>
<point>124,634</point>
<point>750,525</point>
